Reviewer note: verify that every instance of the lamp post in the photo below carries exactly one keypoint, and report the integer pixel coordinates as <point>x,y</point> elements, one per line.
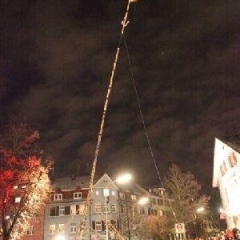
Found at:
<point>122,179</point>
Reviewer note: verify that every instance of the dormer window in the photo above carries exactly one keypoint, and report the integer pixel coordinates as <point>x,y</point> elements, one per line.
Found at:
<point>77,195</point>
<point>58,196</point>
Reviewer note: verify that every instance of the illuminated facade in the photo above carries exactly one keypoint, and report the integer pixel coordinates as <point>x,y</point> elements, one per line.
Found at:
<point>226,176</point>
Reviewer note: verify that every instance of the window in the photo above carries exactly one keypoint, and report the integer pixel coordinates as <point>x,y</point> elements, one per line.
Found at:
<point>17,199</point>
<point>30,230</point>
<point>77,195</point>
<point>81,209</point>
<point>113,193</point>
<point>52,229</point>
<point>73,228</point>
<point>97,208</point>
<point>61,210</point>
<point>106,209</point>
<point>113,225</point>
<point>73,209</point>
<point>98,225</point>
<point>122,195</point>
<point>54,211</point>
<point>97,193</point>
<point>58,196</point>
<point>61,228</point>
<point>113,208</point>
<point>123,209</point>
<point>133,197</point>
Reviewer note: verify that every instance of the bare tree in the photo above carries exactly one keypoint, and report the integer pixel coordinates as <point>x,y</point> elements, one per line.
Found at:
<point>24,180</point>
<point>156,227</point>
<point>184,189</point>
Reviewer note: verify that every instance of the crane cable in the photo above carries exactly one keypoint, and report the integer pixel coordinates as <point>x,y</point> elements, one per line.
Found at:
<point>99,139</point>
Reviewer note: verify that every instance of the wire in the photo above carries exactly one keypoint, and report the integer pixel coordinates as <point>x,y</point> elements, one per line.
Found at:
<point>141,114</point>
<point>143,123</point>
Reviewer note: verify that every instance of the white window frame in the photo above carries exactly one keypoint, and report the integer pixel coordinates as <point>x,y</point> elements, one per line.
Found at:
<point>73,228</point>
<point>98,226</point>
<point>58,196</point>
<point>61,211</point>
<point>97,208</point>
<point>113,208</point>
<point>106,208</point>
<point>77,195</point>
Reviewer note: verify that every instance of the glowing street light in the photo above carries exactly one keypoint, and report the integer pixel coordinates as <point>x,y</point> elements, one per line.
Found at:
<point>124,178</point>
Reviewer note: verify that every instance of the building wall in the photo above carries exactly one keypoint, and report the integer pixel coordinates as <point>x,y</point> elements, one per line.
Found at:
<point>226,176</point>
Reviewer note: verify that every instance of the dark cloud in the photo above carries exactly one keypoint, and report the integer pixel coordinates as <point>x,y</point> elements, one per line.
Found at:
<point>56,61</point>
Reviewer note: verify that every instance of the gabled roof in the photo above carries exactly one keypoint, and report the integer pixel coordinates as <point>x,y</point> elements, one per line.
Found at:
<point>232,141</point>
<point>105,182</point>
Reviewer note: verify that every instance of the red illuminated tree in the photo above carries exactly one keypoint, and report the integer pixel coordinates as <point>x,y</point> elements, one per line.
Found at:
<point>24,180</point>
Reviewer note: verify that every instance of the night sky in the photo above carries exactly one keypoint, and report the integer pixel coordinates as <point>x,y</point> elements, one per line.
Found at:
<point>56,61</point>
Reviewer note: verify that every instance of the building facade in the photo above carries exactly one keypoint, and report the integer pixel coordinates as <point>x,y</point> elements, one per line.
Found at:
<point>226,176</point>
<point>65,213</point>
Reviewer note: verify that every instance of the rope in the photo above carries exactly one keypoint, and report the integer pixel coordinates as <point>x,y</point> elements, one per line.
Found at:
<point>124,24</point>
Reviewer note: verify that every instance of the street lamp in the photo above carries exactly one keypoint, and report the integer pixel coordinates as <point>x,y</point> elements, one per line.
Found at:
<point>122,179</point>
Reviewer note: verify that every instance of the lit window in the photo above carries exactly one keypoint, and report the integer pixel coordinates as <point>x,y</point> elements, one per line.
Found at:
<point>133,197</point>
<point>77,195</point>
<point>17,199</point>
<point>97,192</point>
<point>73,228</point>
<point>98,208</point>
<point>73,209</point>
<point>81,209</point>
<point>61,210</point>
<point>98,225</point>
<point>113,193</point>
<point>58,196</point>
<point>61,228</point>
<point>52,229</point>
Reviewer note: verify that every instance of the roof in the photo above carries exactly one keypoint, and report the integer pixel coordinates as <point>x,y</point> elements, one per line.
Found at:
<point>232,141</point>
<point>71,182</point>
